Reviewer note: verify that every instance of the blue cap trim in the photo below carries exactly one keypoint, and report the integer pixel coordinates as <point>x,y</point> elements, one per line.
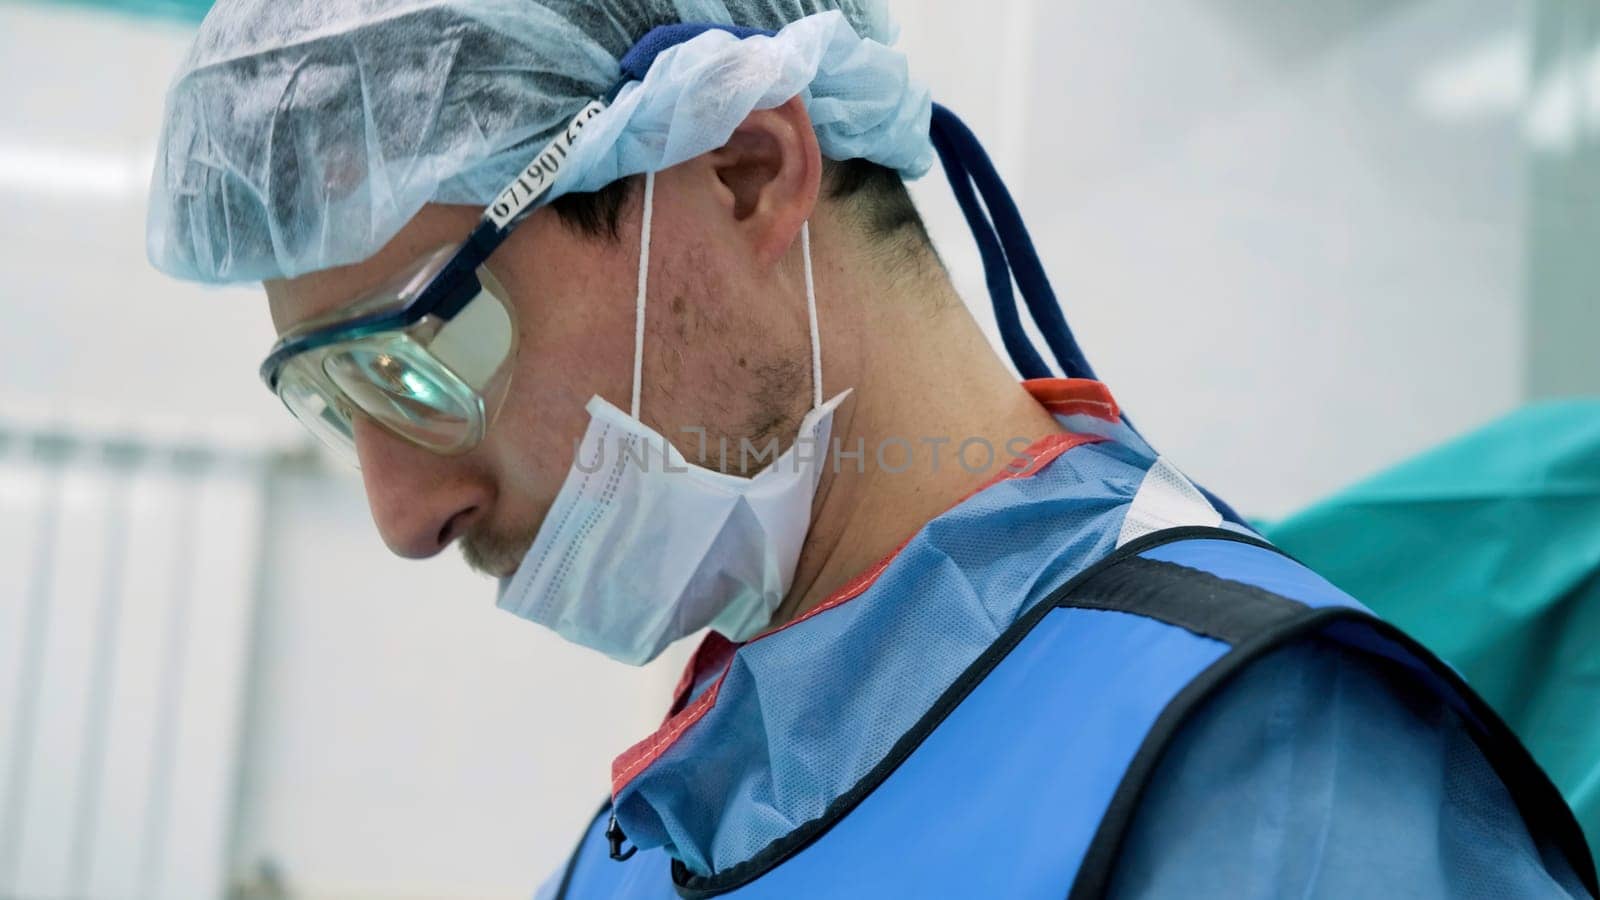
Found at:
<point>637,61</point>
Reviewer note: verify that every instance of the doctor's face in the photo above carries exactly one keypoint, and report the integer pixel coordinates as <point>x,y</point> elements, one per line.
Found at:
<point>725,351</point>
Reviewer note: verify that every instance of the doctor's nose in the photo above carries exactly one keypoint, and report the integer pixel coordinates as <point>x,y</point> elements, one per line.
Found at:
<point>420,500</point>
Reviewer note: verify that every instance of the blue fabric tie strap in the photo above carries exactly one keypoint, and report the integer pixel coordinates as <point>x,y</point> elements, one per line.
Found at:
<point>1007,250</point>
<point>996,271</point>
<point>1020,256</point>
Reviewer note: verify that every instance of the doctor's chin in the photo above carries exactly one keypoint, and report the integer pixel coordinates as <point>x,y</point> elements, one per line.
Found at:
<point>765,449</point>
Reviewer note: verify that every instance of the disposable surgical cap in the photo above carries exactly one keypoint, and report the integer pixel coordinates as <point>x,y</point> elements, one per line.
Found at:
<point>304,134</point>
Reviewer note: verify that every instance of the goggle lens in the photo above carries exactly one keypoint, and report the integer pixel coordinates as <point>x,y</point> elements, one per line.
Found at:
<point>405,389</point>
<point>322,415</point>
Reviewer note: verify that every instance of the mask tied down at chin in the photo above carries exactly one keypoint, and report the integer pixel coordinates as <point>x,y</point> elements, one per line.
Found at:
<point>643,547</point>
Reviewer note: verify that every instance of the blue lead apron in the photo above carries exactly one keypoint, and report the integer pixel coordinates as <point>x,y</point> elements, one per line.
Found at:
<point>1022,779</point>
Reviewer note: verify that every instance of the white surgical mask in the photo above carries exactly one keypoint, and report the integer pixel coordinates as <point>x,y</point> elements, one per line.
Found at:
<point>642,548</point>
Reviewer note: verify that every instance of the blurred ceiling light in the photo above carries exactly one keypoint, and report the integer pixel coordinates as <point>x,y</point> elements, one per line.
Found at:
<point>1488,80</point>
<point>64,171</point>
<point>1493,79</point>
<point>1566,103</point>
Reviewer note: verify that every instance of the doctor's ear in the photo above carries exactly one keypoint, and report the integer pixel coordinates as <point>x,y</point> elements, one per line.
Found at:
<point>768,176</point>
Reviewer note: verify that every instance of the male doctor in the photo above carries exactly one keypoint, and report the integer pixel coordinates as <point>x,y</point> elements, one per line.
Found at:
<point>628,298</point>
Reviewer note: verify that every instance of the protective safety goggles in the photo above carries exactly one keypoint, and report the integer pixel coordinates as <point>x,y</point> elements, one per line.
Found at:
<point>425,356</point>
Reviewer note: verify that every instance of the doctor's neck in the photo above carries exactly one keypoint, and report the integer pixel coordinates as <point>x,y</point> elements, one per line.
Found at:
<point>925,382</point>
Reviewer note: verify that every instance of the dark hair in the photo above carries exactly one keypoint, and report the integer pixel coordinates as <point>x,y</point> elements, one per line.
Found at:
<point>875,196</point>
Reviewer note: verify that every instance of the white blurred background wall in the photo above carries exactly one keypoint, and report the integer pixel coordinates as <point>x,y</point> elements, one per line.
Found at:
<point>1300,241</point>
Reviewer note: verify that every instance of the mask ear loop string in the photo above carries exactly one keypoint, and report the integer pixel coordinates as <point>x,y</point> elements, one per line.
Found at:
<point>644,290</point>
<point>644,285</point>
<point>811,311</point>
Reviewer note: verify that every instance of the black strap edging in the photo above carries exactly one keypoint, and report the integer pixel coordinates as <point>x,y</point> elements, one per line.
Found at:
<point>1196,601</point>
